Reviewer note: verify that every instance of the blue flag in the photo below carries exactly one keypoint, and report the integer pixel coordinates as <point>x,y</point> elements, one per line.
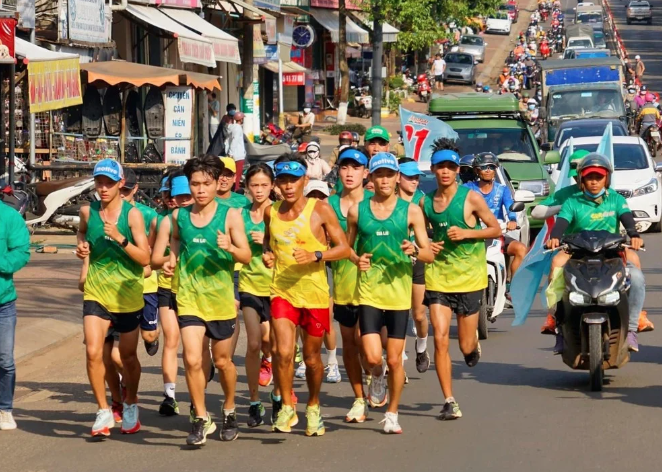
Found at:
<point>605,147</point>
<point>419,131</point>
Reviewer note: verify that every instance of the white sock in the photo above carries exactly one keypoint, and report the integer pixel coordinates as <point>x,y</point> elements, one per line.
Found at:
<point>228,412</point>
<point>421,344</point>
<point>450,400</point>
<point>268,359</point>
<point>169,389</point>
<point>331,357</point>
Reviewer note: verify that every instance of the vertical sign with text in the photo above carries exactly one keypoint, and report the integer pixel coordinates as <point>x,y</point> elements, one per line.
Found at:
<point>178,115</point>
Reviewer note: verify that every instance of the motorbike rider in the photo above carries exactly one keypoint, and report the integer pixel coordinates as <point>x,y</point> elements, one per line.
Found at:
<point>523,103</point>
<point>479,87</point>
<point>510,59</point>
<point>499,199</point>
<point>505,73</point>
<point>306,122</point>
<point>345,138</point>
<point>596,208</point>
<point>487,89</point>
<point>640,99</point>
<point>648,116</point>
<point>466,172</point>
<point>532,111</point>
<point>356,139</point>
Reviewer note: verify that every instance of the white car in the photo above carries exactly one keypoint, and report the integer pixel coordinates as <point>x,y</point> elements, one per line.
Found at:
<point>500,22</point>
<point>636,177</point>
<point>584,4</point>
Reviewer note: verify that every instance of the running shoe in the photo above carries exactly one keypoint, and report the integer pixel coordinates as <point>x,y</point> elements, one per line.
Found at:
<point>558,345</point>
<point>117,409</point>
<point>297,354</point>
<point>422,359</point>
<point>632,341</point>
<point>229,430</point>
<point>644,323</point>
<point>255,414</point>
<point>473,358</point>
<point>450,411</point>
<point>130,419</point>
<point>287,418</point>
<point>314,423</point>
<point>200,429</point>
<point>550,325</point>
<point>102,424</point>
<point>406,378</point>
<point>169,406</point>
<point>276,406</point>
<point>358,413</point>
<point>266,374</point>
<point>152,348</point>
<point>333,374</point>
<point>300,373</point>
<point>7,422</point>
<point>391,425</point>
<point>377,394</point>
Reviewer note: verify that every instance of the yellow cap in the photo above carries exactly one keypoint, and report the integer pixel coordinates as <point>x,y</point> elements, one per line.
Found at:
<point>229,164</point>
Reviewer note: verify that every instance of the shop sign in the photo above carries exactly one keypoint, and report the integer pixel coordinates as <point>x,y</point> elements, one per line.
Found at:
<point>270,30</point>
<point>259,56</point>
<point>350,4</point>
<point>87,21</point>
<point>286,26</point>
<point>26,13</point>
<point>171,3</point>
<point>178,115</point>
<point>197,52</point>
<point>294,79</point>
<point>268,4</point>
<point>54,84</point>
<point>295,3</point>
<point>7,37</point>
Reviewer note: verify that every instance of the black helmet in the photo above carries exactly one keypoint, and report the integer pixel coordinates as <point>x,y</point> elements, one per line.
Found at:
<point>355,137</point>
<point>467,161</point>
<point>466,169</point>
<point>485,159</point>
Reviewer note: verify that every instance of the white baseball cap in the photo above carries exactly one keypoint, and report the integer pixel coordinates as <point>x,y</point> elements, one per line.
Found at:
<point>316,185</point>
<point>637,57</point>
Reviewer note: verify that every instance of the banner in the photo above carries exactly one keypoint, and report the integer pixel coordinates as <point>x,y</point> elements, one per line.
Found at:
<point>26,13</point>
<point>87,21</point>
<point>294,78</point>
<point>178,103</point>
<point>419,133</point>
<point>54,84</point>
<point>7,35</point>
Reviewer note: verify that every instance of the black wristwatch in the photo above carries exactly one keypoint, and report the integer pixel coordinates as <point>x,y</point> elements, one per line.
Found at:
<point>124,243</point>
<point>318,256</point>
<point>416,251</point>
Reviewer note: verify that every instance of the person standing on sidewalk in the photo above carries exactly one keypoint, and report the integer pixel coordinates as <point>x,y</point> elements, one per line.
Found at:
<point>235,146</point>
<point>639,69</point>
<point>14,254</point>
<point>438,68</point>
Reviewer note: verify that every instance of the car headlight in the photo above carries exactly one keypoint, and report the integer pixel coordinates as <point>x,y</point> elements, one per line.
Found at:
<point>609,298</point>
<point>650,187</point>
<point>579,299</point>
<point>540,188</point>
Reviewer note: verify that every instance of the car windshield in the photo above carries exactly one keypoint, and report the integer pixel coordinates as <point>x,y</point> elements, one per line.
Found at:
<point>500,16</point>
<point>459,59</point>
<point>580,43</point>
<point>507,7</point>
<point>516,141</point>
<point>589,18</point>
<point>640,4</point>
<point>627,156</point>
<point>585,132</point>
<point>471,41</point>
<point>586,103</point>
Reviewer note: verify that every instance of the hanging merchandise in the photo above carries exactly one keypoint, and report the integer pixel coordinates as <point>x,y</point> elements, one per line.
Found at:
<point>112,111</point>
<point>151,155</point>
<point>133,119</point>
<point>92,113</point>
<point>154,113</point>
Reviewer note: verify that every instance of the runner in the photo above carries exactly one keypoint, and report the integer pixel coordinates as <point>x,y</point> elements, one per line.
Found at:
<point>149,323</point>
<point>351,170</point>
<point>410,178</point>
<point>297,231</point>
<point>376,140</point>
<point>380,228</point>
<point>456,279</point>
<point>112,233</point>
<point>254,280</point>
<point>207,239</point>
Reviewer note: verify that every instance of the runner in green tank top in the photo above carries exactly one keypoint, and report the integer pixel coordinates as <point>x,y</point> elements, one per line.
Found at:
<point>207,239</point>
<point>455,281</point>
<point>112,234</point>
<point>379,227</point>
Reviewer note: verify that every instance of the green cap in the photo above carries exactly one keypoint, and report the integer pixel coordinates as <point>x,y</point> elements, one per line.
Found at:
<point>576,156</point>
<point>377,132</point>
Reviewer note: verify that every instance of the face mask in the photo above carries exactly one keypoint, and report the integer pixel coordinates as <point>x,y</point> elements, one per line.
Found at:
<point>532,107</point>
<point>598,195</point>
<point>232,112</point>
<point>306,110</point>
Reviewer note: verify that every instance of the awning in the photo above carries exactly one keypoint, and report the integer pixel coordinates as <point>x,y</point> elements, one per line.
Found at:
<point>329,20</point>
<point>293,10</point>
<point>245,6</point>
<point>192,47</point>
<point>226,47</point>
<point>288,67</point>
<point>32,52</point>
<point>120,72</point>
<point>389,33</point>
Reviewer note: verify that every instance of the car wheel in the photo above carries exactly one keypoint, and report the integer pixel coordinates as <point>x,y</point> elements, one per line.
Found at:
<point>656,227</point>
<point>650,21</point>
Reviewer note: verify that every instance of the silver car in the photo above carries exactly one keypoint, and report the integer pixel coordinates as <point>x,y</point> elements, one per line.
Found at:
<point>460,67</point>
<point>474,45</point>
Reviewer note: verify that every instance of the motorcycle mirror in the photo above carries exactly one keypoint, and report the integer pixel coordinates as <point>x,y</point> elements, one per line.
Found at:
<point>516,207</point>
<point>546,147</point>
<point>552,157</point>
<point>522,197</point>
<point>658,167</point>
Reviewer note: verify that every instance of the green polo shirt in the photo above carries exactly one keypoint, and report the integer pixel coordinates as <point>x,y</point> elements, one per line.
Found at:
<point>585,214</point>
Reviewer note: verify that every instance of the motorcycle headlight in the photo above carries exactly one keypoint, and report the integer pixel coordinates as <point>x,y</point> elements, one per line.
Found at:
<point>540,188</point>
<point>609,298</point>
<point>650,187</point>
<point>579,299</point>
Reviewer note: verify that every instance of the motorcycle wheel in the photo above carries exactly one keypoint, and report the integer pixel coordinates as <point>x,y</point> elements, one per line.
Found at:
<point>488,293</point>
<point>595,356</point>
<point>653,148</point>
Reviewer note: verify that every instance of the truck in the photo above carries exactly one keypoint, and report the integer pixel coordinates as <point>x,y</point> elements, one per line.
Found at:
<point>572,90</point>
<point>579,36</point>
<point>590,15</point>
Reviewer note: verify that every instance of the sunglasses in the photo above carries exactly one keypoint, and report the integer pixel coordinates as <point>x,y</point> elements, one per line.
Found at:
<point>486,168</point>
<point>290,167</point>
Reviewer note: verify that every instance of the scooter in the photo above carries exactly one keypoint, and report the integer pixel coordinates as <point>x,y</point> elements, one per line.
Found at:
<point>593,315</point>
<point>652,138</point>
<point>545,50</point>
<point>423,88</point>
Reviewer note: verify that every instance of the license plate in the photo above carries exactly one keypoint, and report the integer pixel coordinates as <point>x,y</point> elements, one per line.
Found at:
<point>640,18</point>
<point>424,92</point>
<point>655,134</point>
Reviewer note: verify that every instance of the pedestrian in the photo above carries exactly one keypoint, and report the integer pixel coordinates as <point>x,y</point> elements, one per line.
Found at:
<point>438,68</point>
<point>214,115</point>
<point>228,118</point>
<point>14,254</point>
<point>235,146</point>
<point>639,69</point>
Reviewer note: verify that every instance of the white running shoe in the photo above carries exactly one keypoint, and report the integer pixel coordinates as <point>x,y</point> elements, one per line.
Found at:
<point>103,423</point>
<point>391,425</point>
<point>358,413</point>
<point>377,394</point>
<point>333,374</point>
<point>7,420</point>
<point>300,373</point>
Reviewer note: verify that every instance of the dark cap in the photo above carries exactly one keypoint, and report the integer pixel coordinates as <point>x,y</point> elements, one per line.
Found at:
<point>130,178</point>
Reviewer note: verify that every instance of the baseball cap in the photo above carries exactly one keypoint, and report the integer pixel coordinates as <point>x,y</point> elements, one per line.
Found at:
<point>109,168</point>
<point>377,132</point>
<point>164,184</point>
<point>384,160</point>
<point>410,169</point>
<point>179,186</point>
<point>354,155</point>
<point>130,178</point>
<point>316,185</point>
<point>229,164</point>
<point>594,169</point>
<point>292,168</point>
<point>445,155</point>
<point>574,157</point>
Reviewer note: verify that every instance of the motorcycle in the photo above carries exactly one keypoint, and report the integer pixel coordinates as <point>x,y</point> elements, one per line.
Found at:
<point>652,138</point>
<point>424,89</point>
<point>544,14</point>
<point>545,50</point>
<point>593,315</point>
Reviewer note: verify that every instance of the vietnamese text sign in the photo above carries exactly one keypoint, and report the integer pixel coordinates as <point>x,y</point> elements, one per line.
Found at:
<point>54,84</point>
<point>7,37</point>
<point>177,152</point>
<point>294,78</point>
<point>178,115</point>
<point>87,21</point>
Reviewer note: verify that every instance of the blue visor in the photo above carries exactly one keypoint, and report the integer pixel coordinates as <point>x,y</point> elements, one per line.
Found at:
<point>164,185</point>
<point>410,169</point>
<point>445,155</point>
<point>292,168</point>
<point>384,160</point>
<point>179,186</point>
<point>353,155</point>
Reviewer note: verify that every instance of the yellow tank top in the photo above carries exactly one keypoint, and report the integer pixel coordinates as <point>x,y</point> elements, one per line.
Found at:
<point>304,286</point>
<point>151,284</point>
<point>164,281</point>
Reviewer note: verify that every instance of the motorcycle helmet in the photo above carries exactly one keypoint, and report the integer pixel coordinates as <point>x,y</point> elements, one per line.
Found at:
<point>421,78</point>
<point>575,158</point>
<point>302,148</point>
<point>485,159</point>
<point>594,162</point>
<point>345,137</point>
<point>650,98</point>
<point>505,70</point>
<point>355,137</point>
<point>466,168</point>
<point>486,89</point>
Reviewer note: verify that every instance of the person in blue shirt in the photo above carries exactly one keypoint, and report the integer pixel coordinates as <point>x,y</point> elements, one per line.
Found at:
<point>499,199</point>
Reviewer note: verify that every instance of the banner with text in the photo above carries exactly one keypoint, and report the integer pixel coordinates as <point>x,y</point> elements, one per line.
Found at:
<point>179,117</point>
<point>419,133</point>
<point>54,84</point>
<point>87,21</point>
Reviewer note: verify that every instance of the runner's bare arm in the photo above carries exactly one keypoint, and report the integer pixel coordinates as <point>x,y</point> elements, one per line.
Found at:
<point>268,257</point>
<point>481,211</point>
<point>151,239</point>
<point>139,250</point>
<point>83,274</point>
<point>171,263</point>
<point>161,244</point>
<point>352,229</point>
<point>340,248</point>
<point>417,223</point>
<point>82,246</point>
<point>239,248</point>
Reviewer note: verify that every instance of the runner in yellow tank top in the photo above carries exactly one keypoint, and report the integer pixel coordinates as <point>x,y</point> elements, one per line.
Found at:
<point>455,281</point>
<point>112,234</point>
<point>297,230</point>
<point>379,228</point>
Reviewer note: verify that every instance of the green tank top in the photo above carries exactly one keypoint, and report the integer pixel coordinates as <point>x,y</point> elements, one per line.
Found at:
<point>206,279</point>
<point>254,278</point>
<point>151,283</point>
<point>163,280</point>
<point>418,194</point>
<point>387,284</point>
<point>460,267</point>
<point>345,273</point>
<point>114,280</point>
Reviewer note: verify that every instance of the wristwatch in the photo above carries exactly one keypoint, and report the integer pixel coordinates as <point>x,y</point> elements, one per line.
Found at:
<point>124,243</point>
<point>416,251</point>
<point>318,256</point>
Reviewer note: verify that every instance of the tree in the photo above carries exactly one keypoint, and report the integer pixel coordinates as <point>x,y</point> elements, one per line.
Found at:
<point>342,62</point>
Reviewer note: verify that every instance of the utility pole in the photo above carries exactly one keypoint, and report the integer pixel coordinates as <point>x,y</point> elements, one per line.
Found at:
<point>247,105</point>
<point>377,52</point>
<point>342,62</point>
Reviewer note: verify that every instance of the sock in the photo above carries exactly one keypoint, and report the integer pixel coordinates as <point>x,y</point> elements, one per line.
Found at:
<point>450,400</point>
<point>256,403</point>
<point>228,412</point>
<point>169,389</point>
<point>276,398</point>
<point>421,344</point>
<point>331,357</point>
<point>268,359</point>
